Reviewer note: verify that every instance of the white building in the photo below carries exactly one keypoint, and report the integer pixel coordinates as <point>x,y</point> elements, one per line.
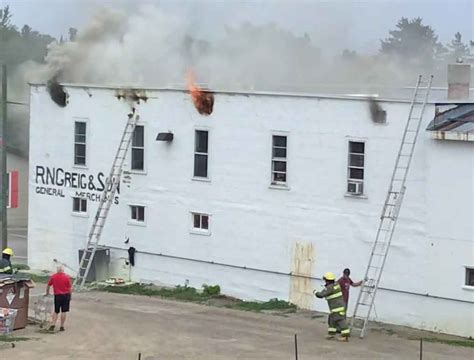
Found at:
<point>207,208</point>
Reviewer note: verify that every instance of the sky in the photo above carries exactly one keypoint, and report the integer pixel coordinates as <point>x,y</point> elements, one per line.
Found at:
<point>356,25</point>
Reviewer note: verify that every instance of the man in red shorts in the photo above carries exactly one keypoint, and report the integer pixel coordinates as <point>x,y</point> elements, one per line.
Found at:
<point>62,287</point>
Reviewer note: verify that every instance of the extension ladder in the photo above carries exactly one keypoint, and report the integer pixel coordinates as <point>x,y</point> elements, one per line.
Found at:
<point>106,200</point>
<point>391,208</point>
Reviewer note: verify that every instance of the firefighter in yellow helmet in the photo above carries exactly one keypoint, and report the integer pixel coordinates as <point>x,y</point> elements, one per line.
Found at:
<point>5,263</point>
<point>337,312</point>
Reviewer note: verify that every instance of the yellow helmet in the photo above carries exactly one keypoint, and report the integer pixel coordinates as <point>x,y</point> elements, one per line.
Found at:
<point>7,251</point>
<point>329,276</point>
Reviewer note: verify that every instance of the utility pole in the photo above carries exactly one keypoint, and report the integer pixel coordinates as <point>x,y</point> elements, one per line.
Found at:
<point>3,160</point>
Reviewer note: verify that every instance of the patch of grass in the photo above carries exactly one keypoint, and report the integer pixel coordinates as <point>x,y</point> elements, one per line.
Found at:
<point>460,342</point>
<point>11,338</point>
<point>21,267</point>
<point>38,278</point>
<point>183,293</point>
<point>211,290</point>
<point>272,304</point>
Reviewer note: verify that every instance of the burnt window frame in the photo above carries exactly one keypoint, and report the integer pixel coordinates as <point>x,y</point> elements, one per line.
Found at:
<point>197,153</point>
<point>138,149</point>
<point>80,143</point>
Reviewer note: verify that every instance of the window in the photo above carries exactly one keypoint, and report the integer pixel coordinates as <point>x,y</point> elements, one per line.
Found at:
<point>279,162</point>
<point>80,143</point>
<point>138,148</point>
<point>469,277</point>
<point>137,213</point>
<point>201,145</point>
<point>355,171</point>
<point>79,205</point>
<point>200,221</point>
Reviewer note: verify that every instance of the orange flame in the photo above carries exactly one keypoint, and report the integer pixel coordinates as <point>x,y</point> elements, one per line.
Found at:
<point>202,100</point>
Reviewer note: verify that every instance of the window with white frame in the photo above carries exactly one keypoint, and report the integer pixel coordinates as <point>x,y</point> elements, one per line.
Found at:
<point>137,213</point>
<point>200,222</point>
<point>279,159</point>
<point>80,128</point>
<point>469,276</point>
<point>79,205</point>
<point>138,148</point>
<point>355,168</point>
<point>201,148</point>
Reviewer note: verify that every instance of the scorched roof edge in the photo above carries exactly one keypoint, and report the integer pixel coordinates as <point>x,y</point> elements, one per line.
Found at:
<point>228,92</point>
<point>374,97</point>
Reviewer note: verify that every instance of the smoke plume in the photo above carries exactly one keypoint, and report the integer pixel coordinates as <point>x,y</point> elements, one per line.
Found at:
<point>153,48</point>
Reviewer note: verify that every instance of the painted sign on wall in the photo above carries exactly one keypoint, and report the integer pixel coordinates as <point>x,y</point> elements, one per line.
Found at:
<point>53,182</point>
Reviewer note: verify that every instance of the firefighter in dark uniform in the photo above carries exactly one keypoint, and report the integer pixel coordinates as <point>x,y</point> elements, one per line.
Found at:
<point>5,263</point>
<point>337,311</point>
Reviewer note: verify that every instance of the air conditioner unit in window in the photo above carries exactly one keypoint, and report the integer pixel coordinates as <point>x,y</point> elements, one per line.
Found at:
<point>355,188</point>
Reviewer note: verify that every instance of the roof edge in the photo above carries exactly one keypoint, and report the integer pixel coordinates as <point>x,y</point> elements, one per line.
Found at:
<point>350,96</point>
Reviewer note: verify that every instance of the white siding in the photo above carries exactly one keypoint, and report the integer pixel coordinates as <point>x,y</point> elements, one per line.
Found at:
<point>254,225</point>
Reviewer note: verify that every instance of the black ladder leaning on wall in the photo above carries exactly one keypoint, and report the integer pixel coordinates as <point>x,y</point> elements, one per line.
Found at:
<point>391,208</point>
<point>106,200</point>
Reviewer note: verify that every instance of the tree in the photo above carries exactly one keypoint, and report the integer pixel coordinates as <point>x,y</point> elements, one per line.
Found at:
<point>5,18</point>
<point>457,47</point>
<point>412,41</point>
<point>72,34</point>
<point>349,55</point>
<point>25,31</point>
<point>17,47</point>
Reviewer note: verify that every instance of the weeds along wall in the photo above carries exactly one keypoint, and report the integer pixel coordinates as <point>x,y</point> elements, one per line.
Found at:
<point>258,232</point>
